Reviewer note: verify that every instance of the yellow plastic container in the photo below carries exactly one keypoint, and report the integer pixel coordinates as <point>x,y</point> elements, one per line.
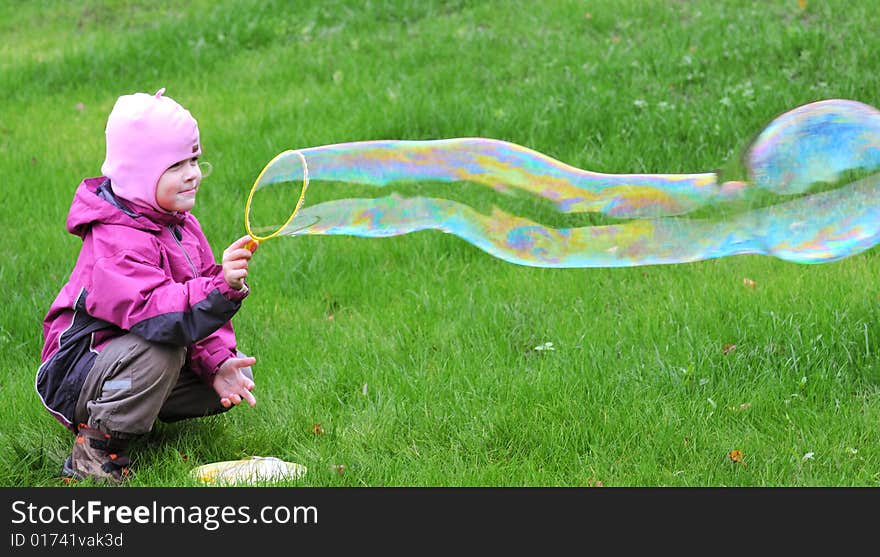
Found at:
<point>253,469</point>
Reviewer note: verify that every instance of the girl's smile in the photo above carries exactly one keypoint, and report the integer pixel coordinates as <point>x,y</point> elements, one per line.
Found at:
<point>178,186</point>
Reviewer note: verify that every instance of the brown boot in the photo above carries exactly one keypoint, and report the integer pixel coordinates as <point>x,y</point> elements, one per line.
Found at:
<point>96,455</point>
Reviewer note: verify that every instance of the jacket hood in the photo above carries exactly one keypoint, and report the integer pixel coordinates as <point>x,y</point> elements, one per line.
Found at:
<point>94,203</point>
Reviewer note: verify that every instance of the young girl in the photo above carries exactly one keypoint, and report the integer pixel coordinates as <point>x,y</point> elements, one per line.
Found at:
<point>142,328</point>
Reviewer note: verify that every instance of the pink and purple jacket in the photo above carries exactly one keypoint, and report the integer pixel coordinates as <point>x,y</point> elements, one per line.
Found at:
<point>140,271</point>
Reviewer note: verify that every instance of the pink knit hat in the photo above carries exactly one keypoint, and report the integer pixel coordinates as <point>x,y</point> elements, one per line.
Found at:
<point>146,134</point>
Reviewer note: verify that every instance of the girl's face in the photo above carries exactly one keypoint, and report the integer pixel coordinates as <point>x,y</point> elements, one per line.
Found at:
<point>177,187</point>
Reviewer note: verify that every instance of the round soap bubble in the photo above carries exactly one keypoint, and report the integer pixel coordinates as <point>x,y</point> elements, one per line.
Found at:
<point>805,190</point>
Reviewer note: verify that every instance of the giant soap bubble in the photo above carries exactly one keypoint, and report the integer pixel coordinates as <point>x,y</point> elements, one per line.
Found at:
<point>807,192</point>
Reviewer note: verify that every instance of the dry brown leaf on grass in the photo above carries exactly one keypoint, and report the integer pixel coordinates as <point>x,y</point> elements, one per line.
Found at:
<point>737,456</point>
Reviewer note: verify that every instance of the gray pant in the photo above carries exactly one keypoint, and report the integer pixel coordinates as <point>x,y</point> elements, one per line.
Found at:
<point>134,381</point>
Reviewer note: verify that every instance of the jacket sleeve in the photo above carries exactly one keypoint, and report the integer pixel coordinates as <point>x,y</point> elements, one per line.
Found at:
<point>207,354</point>
<point>130,289</point>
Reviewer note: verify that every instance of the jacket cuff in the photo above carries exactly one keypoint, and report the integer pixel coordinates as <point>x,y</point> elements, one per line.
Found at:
<point>212,363</point>
<point>228,292</point>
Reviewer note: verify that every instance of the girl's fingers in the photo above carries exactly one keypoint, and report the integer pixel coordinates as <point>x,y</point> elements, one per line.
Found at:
<point>236,275</point>
<point>241,242</point>
<point>236,255</point>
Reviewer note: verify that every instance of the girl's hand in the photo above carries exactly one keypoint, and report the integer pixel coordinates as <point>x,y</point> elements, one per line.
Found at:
<point>235,262</point>
<point>232,385</point>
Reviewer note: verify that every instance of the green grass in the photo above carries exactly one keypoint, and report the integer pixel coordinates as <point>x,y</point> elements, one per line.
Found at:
<point>416,353</point>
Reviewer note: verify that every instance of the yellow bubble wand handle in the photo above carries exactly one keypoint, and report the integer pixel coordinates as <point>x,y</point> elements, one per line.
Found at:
<point>256,239</point>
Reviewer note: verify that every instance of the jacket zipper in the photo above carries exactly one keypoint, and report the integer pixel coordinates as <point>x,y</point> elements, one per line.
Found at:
<point>185,254</point>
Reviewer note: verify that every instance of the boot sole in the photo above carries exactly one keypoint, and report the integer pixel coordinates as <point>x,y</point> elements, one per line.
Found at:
<point>67,470</point>
<point>68,473</point>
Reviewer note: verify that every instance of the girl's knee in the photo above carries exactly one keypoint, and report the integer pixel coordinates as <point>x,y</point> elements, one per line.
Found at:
<point>155,362</point>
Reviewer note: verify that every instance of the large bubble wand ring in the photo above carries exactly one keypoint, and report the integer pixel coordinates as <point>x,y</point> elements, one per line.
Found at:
<point>258,183</point>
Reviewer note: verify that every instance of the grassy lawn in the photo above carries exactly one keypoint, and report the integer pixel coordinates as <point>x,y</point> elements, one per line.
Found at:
<point>411,361</point>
